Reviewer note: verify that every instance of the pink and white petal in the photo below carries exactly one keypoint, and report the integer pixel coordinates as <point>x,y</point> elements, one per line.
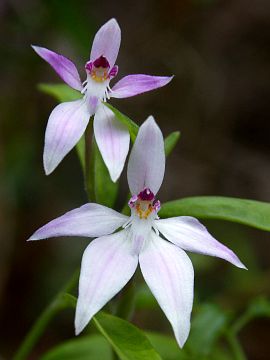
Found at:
<point>63,66</point>
<point>137,84</point>
<point>107,42</point>
<point>65,127</point>
<point>169,274</point>
<point>89,220</point>
<point>107,265</point>
<point>112,138</point>
<point>189,234</point>
<point>146,164</point>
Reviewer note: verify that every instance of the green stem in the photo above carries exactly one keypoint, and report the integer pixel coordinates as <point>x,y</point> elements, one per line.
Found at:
<point>88,160</point>
<point>241,322</point>
<point>235,346</point>
<point>59,303</point>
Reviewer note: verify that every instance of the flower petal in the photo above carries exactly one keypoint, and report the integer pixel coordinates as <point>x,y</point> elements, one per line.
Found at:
<point>146,164</point>
<point>66,125</point>
<point>63,66</point>
<point>189,234</point>
<point>112,139</point>
<point>90,220</point>
<point>137,84</point>
<point>107,266</point>
<point>169,274</point>
<point>107,42</point>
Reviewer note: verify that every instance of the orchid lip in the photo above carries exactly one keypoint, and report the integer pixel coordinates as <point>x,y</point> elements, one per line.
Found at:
<point>144,204</point>
<point>98,69</point>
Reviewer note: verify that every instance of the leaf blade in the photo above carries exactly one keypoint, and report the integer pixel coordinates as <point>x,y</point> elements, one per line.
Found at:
<point>128,341</point>
<point>247,212</point>
<point>170,142</point>
<point>60,92</point>
<point>93,347</point>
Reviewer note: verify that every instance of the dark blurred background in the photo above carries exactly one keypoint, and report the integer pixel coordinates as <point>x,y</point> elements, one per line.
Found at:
<point>219,52</point>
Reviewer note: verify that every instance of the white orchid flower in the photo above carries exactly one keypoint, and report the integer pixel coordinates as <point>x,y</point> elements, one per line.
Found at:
<point>122,242</point>
<point>69,120</point>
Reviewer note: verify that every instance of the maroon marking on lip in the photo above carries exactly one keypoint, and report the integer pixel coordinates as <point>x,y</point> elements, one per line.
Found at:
<point>146,195</point>
<point>101,62</point>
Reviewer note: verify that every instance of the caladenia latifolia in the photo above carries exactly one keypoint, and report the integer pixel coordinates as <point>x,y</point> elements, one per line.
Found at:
<point>68,121</point>
<point>110,260</point>
<point>147,234</point>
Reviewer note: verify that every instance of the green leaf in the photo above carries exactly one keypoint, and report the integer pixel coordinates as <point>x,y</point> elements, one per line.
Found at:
<point>259,307</point>
<point>206,327</point>
<point>60,92</point>
<point>170,142</point>
<point>243,211</point>
<point>93,347</point>
<point>127,340</point>
<point>167,347</point>
<point>133,128</point>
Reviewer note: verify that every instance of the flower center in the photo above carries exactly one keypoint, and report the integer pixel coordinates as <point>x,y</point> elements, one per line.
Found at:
<point>98,69</point>
<point>144,204</point>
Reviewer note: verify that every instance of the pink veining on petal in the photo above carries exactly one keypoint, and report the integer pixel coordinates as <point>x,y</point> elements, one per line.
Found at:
<point>132,85</point>
<point>189,234</point>
<point>107,42</point>
<point>112,138</point>
<point>90,220</point>
<point>107,265</point>
<point>146,165</point>
<point>62,65</point>
<point>65,127</point>
<point>168,272</point>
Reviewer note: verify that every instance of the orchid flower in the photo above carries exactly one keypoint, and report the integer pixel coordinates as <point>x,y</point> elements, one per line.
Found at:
<point>156,244</point>
<point>69,120</point>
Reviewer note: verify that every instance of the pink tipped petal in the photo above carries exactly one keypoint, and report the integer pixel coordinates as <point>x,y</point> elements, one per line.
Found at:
<point>168,272</point>
<point>66,125</point>
<point>90,220</point>
<point>137,84</point>
<point>107,265</point>
<point>63,66</point>
<point>107,42</point>
<point>146,164</point>
<point>189,234</point>
<point>112,139</point>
